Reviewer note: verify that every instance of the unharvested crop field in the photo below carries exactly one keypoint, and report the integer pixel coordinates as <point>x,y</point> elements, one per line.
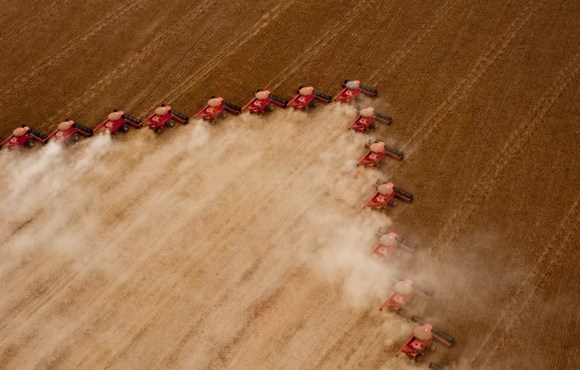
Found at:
<point>245,244</point>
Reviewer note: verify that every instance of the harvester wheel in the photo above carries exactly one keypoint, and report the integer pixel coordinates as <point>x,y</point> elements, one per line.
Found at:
<point>223,114</point>
<point>269,107</point>
<point>312,104</point>
<point>170,123</point>
<point>419,357</point>
<point>75,137</point>
<point>158,130</point>
<point>29,144</point>
<point>124,128</point>
<point>393,203</point>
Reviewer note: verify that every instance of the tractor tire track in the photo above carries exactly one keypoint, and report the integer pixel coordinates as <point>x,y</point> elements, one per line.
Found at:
<point>314,49</point>
<point>230,49</point>
<point>24,27</point>
<point>126,66</point>
<point>411,44</point>
<point>51,60</point>
<point>534,280</point>
<point>496,50</point>
<point>483,188</point>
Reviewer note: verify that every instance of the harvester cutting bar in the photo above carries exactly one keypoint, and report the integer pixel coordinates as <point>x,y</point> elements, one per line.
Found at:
<point>133,121</point>
<point>437,334</point>
<point>323,97</point>
<point>426,293</point>
<point>281,101</point>
<point>231,108</point>
<point>37,135</point>
<point>403,195</point>
<point>181,117</point>
<point>394,153</point>
<point>83,129</point>
<point>407,244</point>
<point>383,118</point>
<point>368,90</point>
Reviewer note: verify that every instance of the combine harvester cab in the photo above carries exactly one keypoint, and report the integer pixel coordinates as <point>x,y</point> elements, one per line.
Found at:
<point>422,340</point>
<point>351,89</point>
<point>118,121</point>
<point>389,243</point>
<point>307,97</point>
<point>377,151</point>
<point>216,108</point>
<point>165,116</point>
<point>264,101</point>
<point>365,121</point>
<point>69,131</point>
<point>387,195</point>
<point>404,291</point>
<point>23,137</point>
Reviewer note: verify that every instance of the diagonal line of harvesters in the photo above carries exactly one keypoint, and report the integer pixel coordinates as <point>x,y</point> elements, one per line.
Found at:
<point>386,195</point>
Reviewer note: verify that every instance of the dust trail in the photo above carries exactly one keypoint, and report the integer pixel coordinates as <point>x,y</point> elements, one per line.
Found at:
<point>154,219</point>
<point>27,172</point>
<point>47,173</point>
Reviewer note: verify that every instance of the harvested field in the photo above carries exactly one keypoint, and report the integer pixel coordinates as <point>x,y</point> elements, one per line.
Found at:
<point>244,244</point>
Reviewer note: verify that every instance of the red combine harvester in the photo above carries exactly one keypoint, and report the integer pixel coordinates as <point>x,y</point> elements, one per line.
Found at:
<point>118,121</point>
<point>366,120</point>
<point>350,91</point>
<point>307,97</point>
<point>165,116</point>
<point>377,151</point>
<point>23,137</point>
<point>388,194</point>
<point>389,243</point>
<point>422,340</point>
<point>69,130</point>
<point>264,101</point>
<point>404,291</point>
<point>216,108</point>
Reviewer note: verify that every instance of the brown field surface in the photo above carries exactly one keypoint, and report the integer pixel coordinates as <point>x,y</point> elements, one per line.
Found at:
<point>244,245</point>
